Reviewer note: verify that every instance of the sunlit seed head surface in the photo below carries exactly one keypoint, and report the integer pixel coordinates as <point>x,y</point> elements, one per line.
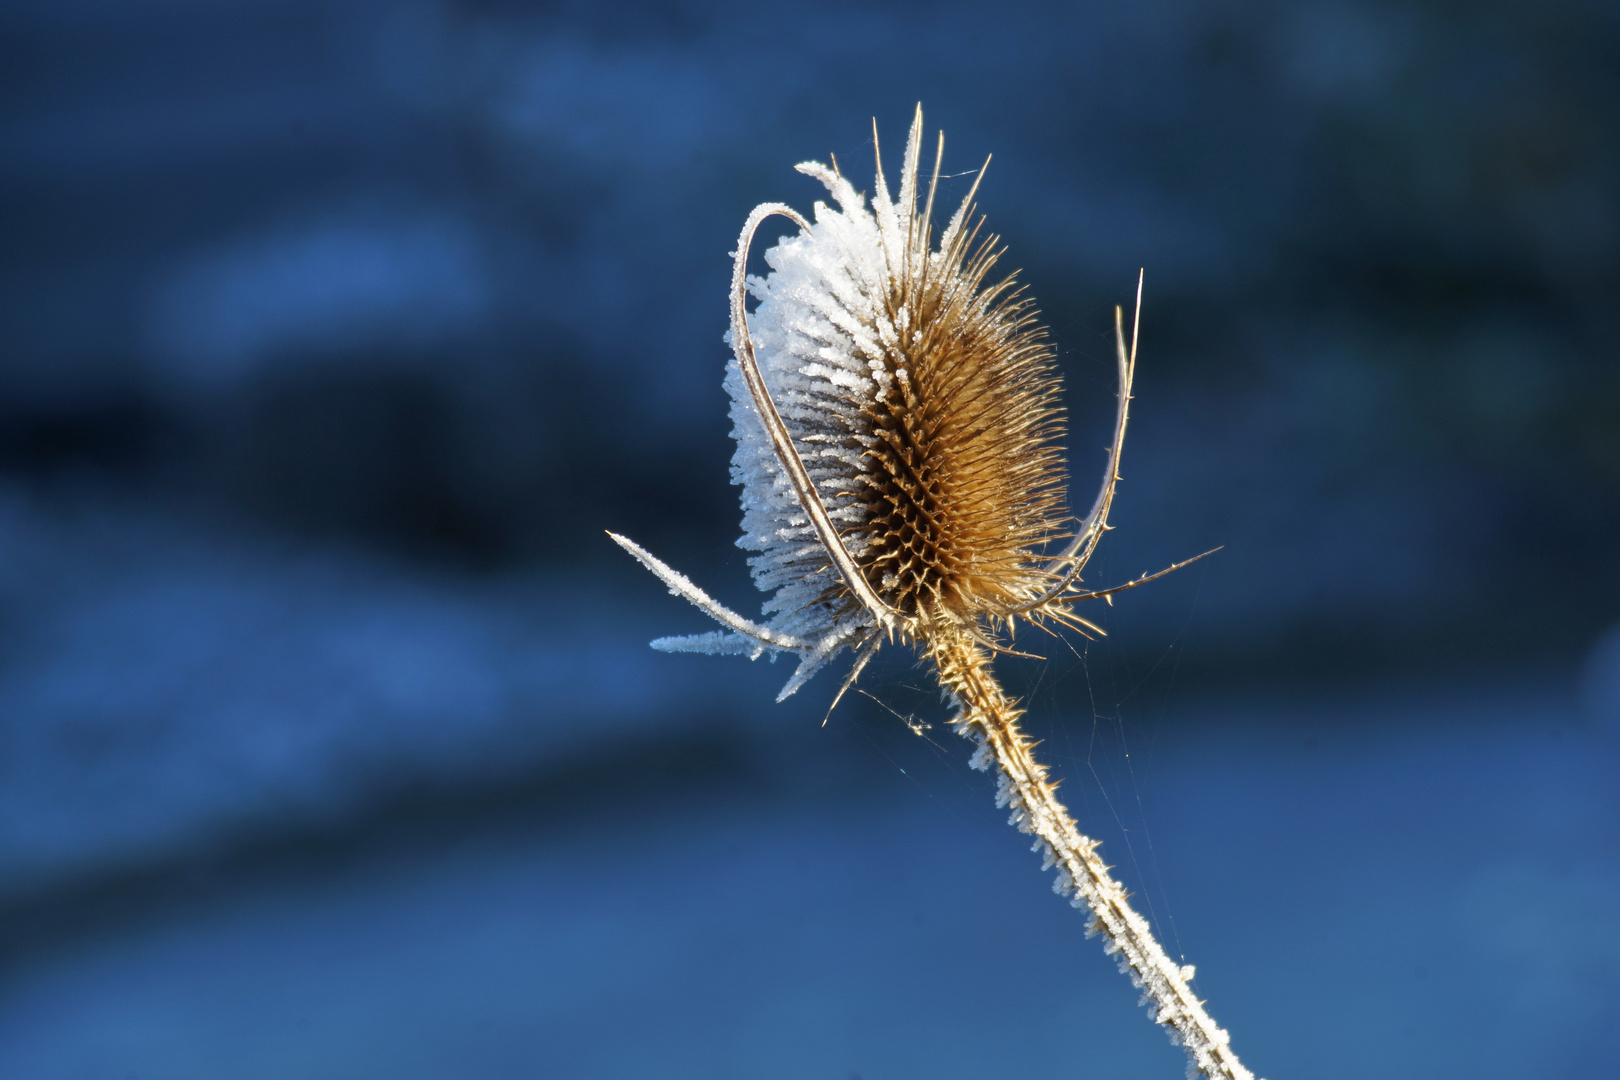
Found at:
<point>924,400</point>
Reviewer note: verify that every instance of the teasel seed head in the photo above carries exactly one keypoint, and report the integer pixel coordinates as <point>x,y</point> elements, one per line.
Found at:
<point>898,445</point>
<point>896,408</point>
<point>925,403</point>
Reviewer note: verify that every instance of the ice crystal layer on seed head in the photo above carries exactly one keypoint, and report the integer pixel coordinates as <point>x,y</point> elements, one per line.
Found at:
<point>924,403</point>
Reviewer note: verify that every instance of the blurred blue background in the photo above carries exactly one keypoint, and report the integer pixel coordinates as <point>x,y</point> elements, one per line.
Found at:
<point>333,334</point>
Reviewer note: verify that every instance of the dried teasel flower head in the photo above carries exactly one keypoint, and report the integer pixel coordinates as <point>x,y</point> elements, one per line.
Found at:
<point>898,430</point>
<point>897,423</point>
<point>926,405</point>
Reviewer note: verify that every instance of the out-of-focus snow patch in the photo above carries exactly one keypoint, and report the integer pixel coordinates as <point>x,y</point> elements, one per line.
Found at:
<point>1422,887</point>
<point>161,688</point>
<point>1554,926</point>
<point>346,283</point>
<point>1600,681</point>
<point>633,106</point>
<point>1340,52</point>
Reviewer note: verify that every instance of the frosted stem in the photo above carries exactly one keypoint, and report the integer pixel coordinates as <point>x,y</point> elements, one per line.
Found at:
<point>990,718</point>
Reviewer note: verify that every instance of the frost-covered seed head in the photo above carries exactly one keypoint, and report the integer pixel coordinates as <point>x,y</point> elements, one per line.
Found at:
<point>898,426</point>
<point>924,402</point>
<point>900,469</point>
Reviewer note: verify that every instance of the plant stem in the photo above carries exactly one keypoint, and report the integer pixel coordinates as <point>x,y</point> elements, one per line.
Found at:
<point>986,715</point>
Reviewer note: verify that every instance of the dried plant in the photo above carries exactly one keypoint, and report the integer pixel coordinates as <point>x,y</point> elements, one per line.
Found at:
<point>897,421</point>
